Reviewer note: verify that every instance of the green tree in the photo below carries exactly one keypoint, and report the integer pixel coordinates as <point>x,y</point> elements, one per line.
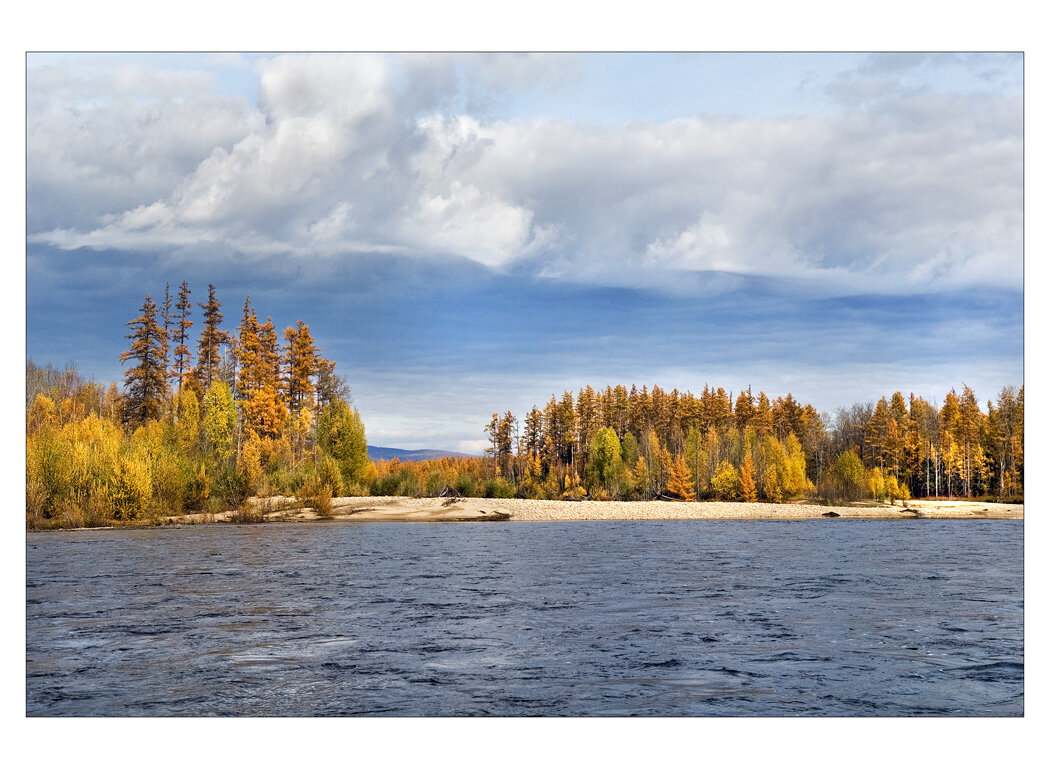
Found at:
<point>606,467</point>
<point>341,435</point>
<point>146,381</point>
<point>696,459</point>
<point>848,477</point>
<point>209,346</point>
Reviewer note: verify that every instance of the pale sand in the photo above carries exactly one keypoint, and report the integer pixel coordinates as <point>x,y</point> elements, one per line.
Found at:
<point>432,509</point>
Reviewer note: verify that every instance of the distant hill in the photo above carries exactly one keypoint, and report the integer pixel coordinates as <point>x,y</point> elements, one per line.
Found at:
<point>409,455</point>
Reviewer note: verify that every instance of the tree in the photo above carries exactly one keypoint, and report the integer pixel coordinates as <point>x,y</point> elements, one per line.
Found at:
<point>269,355</point>
<point>301,361</point>
<point>606,467</point>
<point>795,482</point>
<point>209,356</point>
<point>501,434</point>
<point>187,428</point>
<point>848,477</point>
<point>220,420</point>
<point>341,435</point>
<point>726,481</point>
<point>696,459</point>
<point>181,355</point>
<point>680,484</point>
<point>747,479</point>
<point>251,366</point>
<point>166,319</point>
<point>146,381</point>
<point>330,386</point>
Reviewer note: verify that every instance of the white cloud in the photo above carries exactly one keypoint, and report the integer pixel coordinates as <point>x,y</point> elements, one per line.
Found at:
<point>361,153</point>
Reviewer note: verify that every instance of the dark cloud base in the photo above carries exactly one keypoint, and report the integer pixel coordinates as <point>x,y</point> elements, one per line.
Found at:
<point>441,320</point>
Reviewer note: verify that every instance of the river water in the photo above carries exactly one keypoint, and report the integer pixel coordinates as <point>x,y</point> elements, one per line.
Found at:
<point>656,618</point>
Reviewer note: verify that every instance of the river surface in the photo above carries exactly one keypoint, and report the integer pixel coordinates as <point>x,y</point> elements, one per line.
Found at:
<point>655,618</point>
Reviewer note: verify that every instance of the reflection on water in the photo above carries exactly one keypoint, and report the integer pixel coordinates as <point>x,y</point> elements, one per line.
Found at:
<point>864,618</point>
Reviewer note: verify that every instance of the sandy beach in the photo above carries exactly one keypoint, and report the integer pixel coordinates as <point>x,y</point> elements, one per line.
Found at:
<point>439,510</point>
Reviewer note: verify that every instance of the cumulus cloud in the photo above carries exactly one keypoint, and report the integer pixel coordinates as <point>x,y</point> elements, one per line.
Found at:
<point>371,154</point>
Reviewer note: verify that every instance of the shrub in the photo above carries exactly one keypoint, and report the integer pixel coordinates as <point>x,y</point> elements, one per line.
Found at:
<point>465,485</point>
<point>329,476</point>
<point>130,494</point>
<point>499,488</point>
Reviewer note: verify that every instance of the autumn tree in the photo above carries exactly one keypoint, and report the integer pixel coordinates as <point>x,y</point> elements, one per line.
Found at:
<point>258,382</point>
<point>847,478</point>
<point>146,381</point>
<point>220,420</point>
<point>747,479</point>
<point>680,484</point>
<point>301,365</point>
<point>726,481</point>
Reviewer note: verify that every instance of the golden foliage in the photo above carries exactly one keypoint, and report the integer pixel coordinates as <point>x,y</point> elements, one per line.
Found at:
<point>747,479</point>
<point>681,484</point>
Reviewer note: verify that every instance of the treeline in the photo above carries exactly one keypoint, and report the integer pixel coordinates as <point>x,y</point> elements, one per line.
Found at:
<point>202,424</point>
<point>641,444</point>
<point>199,426</point>
<point>645,444</point>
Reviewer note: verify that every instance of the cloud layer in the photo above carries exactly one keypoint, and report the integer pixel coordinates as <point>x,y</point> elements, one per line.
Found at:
<point>908,190</point>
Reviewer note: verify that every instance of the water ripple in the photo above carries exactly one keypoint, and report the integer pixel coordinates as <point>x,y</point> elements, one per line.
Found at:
<point>876,618</point>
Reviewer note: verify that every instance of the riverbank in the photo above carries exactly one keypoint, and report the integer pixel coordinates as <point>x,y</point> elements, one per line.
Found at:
<point>439,510</point>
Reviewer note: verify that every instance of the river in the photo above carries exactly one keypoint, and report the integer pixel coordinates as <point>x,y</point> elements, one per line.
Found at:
<point>659,618</point>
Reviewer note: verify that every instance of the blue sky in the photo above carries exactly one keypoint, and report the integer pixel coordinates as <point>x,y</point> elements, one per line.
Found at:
<point>466,233</point>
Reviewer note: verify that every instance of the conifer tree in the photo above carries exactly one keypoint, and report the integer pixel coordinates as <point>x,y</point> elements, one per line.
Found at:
<point>341,435</point>
<point>747,479</point>
<point>270,355</point>
<point>166,319</point>
<point>146,381</point>
<point>680,484</point>
<point>744,410</point>
<point>249,355</point>
<point>301,364</point>
<point>330,386</point>
<point>209,355</point>
<point>181,355</point>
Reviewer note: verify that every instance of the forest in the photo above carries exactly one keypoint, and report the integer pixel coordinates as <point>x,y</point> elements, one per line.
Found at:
<point>203,424</point>
<point>198,426</point>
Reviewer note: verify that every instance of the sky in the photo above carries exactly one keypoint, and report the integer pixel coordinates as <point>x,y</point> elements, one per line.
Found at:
<point>471,233</point>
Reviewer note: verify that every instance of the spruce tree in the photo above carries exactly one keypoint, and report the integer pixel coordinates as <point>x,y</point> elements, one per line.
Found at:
<point>146,381</point>
<point>209,358</point>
